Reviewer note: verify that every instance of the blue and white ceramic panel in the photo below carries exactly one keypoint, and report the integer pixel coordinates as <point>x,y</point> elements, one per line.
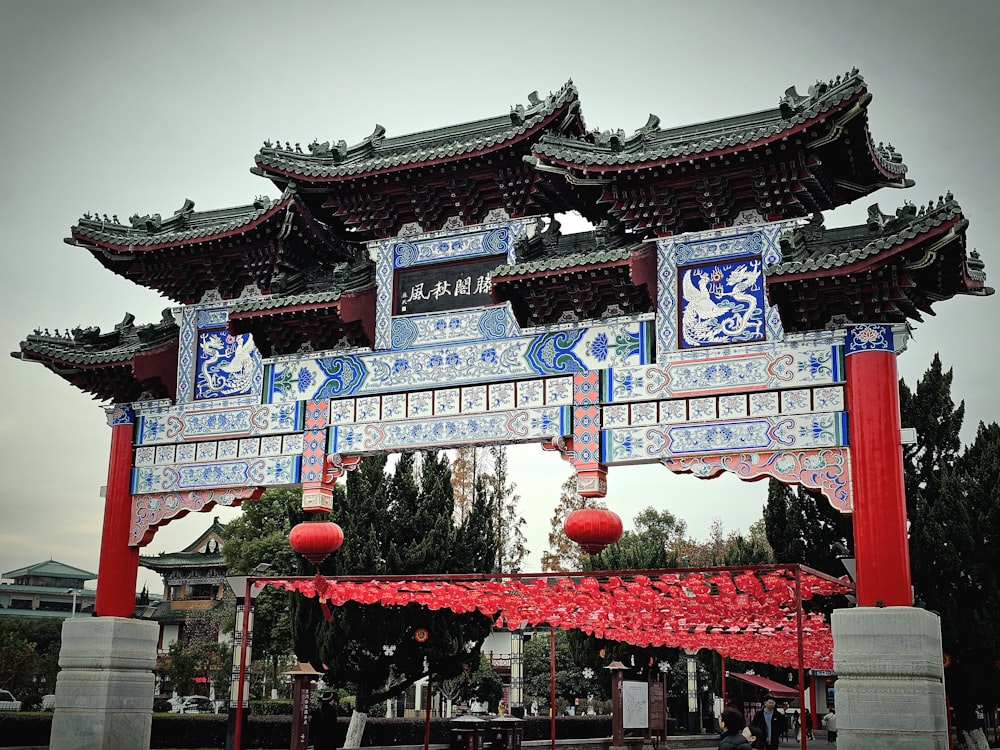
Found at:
<point>722,303</point>
<point>729,406</point>
<point>179,424</point>
<point>804,431</point>
<point>554,352</point>
<point>260,471</point>
<point>808,361</point>
<point>869,338</point>
<point>187,348</point>
<point>434,329</point>
<point>708,310</point>
<point>518,425</point>
<point>226,365</point>
<point>433,247</point>
<point>448,402</point>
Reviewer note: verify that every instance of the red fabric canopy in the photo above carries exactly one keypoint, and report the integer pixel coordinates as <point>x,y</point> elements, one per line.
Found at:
<point>750,614</point>
<point>773,688</point>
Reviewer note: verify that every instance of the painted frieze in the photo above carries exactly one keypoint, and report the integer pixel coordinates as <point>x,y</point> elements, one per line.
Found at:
<point>553,351</point>
<point>804,431</point>
<point>798,361</point>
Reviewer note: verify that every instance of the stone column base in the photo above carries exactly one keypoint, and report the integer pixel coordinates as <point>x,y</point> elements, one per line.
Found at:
<point>104,691</point>
<point>890,679</point>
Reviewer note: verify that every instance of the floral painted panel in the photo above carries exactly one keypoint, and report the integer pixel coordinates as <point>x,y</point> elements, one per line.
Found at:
<point>520,425</point>
<point>633,444</point>
<point>548,352</point>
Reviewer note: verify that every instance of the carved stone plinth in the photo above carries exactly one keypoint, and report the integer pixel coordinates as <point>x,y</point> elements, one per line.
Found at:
<point>890,679</point>
<point>104,692</point>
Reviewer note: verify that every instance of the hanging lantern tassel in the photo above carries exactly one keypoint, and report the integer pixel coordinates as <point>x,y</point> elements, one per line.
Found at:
<point>317,540</point>
<point>327,614</point>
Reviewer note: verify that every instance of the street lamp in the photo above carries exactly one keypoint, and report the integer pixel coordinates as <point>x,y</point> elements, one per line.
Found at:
<point>73,610</point>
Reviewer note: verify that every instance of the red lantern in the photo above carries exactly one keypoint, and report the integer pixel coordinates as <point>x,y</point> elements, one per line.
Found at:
<point>593,528</point>
<point>315,540</point>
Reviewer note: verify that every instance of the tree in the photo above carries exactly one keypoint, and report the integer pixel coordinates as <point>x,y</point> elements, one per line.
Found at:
<point>563,553</point>
<point>486,470</point>
<point>570,680</point>
<point>29,654</point>
<point>260,535</point>
<point>17,658</point>
<point>802,527</point>
<point>398,524</point>
<point>199,654</point>
<point>464,473</point>
<point>953,514</point>
<point>508,523</point>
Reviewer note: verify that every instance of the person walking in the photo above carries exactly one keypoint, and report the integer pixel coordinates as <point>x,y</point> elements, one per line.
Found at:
<point>807,724</point>
<point>768,724</point>
<point>734,734</point>
<point>830,724</point>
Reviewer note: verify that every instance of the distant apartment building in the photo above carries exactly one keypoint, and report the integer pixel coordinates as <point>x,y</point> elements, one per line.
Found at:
<point>47,589</point>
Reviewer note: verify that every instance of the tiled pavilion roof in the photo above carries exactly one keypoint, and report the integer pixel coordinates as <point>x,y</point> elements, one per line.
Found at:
<point>226,250</point>
<point>125,364</point>
<point>891,269</point>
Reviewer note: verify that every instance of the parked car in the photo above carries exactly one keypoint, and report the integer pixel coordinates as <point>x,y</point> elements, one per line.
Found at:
<point>7,702</point>
<point>49,702</point>
<point>163,704</point>
<point>196,704</point>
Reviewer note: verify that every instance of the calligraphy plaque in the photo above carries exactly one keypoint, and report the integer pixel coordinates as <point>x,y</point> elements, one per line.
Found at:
<point>439,287</point>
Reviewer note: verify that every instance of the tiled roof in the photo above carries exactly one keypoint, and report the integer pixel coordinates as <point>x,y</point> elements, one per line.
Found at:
<point>183,560</point>
<point>90,347</point>
<point>650,143</point>
<point>186,225</point>
<point>597,257</point>
<point>377,153</point>
<point>814,248</point>
<point>322,289</point>
<point>51,569</point>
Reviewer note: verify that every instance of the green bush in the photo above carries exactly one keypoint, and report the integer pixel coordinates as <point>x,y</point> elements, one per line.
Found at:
<point>25,729</point>
<point>188,730</point>
<point>271,708</point>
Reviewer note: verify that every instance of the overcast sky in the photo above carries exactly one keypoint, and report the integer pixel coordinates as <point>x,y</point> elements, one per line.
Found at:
<point>124,107</point>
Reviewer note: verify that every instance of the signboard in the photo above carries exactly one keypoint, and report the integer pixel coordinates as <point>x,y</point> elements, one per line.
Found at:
<point>440,287</point>
<point>657,708</point>
<point>635,705</point>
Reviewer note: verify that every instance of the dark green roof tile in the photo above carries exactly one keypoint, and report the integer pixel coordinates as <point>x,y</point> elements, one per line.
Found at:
<point>376,152</point>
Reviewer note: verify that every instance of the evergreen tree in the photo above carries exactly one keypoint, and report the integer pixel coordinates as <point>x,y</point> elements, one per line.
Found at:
<point>260,535</point>
<point>802,527</point>
<point>508,524</point>
<point>953,513</point>
<point>399,524</point>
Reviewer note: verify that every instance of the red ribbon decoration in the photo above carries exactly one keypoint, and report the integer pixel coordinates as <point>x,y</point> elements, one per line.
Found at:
<point>745,614</point>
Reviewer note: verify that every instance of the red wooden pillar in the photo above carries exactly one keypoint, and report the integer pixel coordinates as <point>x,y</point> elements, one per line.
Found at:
<point>118,568</point>
<point>881,548</point>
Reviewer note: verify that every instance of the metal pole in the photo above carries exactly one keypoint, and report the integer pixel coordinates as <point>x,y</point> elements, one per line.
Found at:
<point>427,716</point>
<point>723,680</point>
<point>552,684</point>
<point>802,672</point>
<point>238,730</point>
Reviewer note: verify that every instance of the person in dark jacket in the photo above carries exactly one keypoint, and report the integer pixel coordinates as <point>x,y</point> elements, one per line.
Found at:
<point>768,724</point>
<point>323,723</point>
<point>733,738</point>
